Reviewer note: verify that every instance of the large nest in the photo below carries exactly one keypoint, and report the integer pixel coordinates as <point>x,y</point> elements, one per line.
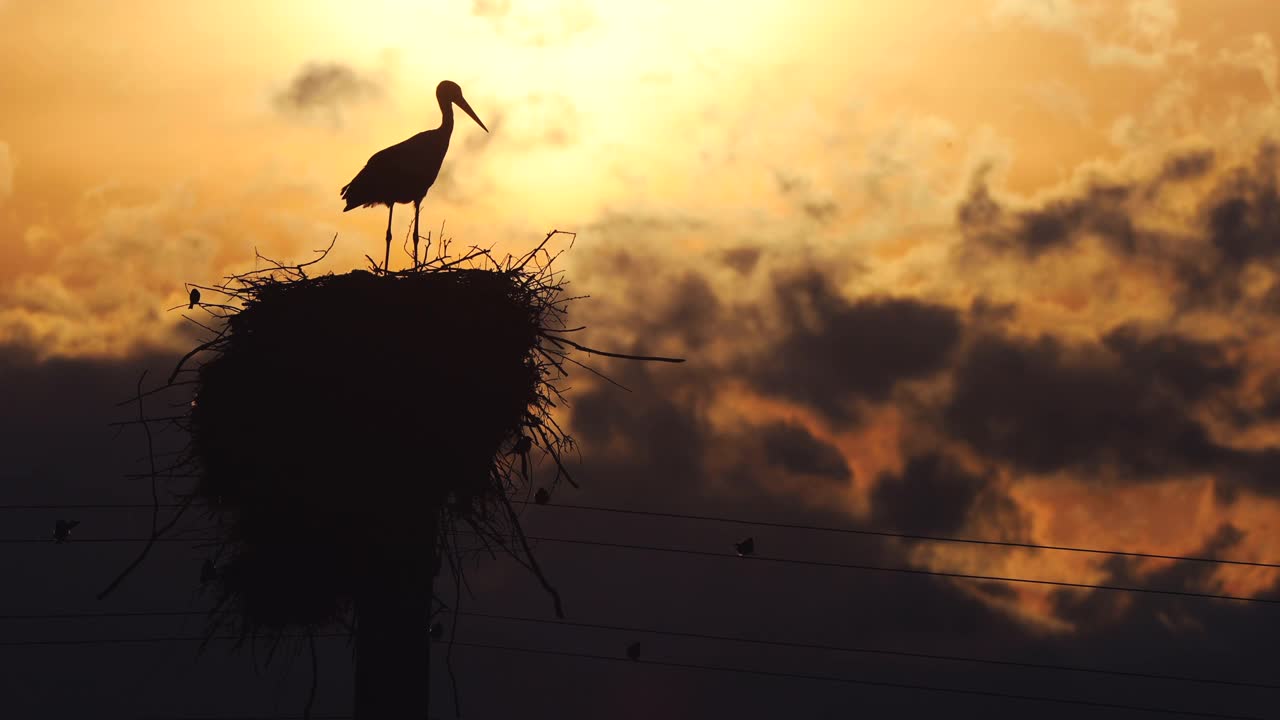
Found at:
<point>342,412</point>
<point>344,428</point>
<point>364,394</point>
<point>346,424</point>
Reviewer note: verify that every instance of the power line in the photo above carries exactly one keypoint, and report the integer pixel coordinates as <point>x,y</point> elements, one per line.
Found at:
<point>778,560</point>
<point>764,523</point>
<point>98,615</point>
<point>877,651</point>
<point>698,666</point>
<point>98,541</point>
<point>653,631</point>
<point>909,571</point>
<point>153,639</point>
<point>911,536</point>
<point>313,716</point>
<point>859,681</point>
<point>87,506</point>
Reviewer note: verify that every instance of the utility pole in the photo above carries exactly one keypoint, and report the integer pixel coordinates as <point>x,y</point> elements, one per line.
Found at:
<point>393,645</point>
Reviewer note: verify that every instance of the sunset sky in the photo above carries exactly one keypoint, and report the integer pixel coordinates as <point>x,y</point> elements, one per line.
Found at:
<point>1006,269</point>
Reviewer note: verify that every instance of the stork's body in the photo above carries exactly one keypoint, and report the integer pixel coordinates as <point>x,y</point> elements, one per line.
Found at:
<point>405,171</point>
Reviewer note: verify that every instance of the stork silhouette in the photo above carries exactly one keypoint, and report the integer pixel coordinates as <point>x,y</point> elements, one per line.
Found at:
<point>405,171</point>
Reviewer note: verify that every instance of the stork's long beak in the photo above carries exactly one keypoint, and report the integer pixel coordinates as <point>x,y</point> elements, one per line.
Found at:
<point>462,103</point>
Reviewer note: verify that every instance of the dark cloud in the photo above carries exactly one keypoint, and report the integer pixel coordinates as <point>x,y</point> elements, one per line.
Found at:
<point>1243,216</point>
<point>1191,369</point>
<point>691,311</point>
<point>1151,633</point>
<point>1236,226</point>
<point>1102,609</point>
<point>1045,405</point>
<point>832,351</point>
<point>651,443</point>
<point>984,310</point>
<point>979,212</point>
<point>820,210</point>
<point>1269,400</point>
<point>932,496</point>
<point>681,309</point>
<point>1188,165</point>
<point>325,89</point>
<point>1241,221</point>
<point>1101,209</point>
<point>794,450</point>
<point>742,259</point>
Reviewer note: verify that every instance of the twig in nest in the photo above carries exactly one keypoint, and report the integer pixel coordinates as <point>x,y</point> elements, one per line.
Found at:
<point>156,531</point>
<point>295,269</point>
<point>593,371</point>
<point>315,673</point>
<point>455,565</point>
<point>153,391</point>
<point>524,259</point>
<point>533,561</point>
<point>623,356</point>
<point>197,350</point>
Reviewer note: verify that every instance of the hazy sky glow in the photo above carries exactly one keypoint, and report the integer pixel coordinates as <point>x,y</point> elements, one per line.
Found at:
<point>1035,239</point>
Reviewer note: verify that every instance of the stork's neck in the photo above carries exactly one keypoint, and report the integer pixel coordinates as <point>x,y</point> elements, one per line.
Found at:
<point>446,115</point>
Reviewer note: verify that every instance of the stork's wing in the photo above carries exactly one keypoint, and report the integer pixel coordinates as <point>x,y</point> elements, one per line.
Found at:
<point>401,173</point>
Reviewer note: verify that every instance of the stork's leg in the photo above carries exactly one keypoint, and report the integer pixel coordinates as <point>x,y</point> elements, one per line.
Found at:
<point>386,259</point>
<point>417,208</point>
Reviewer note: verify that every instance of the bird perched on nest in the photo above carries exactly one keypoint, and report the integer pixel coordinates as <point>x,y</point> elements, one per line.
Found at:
<point>405,171</point>
<point>62,530</point>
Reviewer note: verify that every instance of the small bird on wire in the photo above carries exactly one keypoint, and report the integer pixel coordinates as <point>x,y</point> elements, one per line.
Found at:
<point>542,497</point>
<point>633,651</point>
<point>746,547</point>
<point>405,171</point>
<point>62,530</point>
<point>194,298</point>
<point>208,572</point>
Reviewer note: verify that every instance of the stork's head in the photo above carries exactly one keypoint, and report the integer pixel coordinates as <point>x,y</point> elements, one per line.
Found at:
<point>448,91</point>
